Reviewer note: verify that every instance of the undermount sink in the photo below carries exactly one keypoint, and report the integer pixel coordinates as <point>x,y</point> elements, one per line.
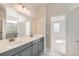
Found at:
<point>13,44</point>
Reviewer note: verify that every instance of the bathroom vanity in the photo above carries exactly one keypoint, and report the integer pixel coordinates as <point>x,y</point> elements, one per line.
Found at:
<point>24,46</point>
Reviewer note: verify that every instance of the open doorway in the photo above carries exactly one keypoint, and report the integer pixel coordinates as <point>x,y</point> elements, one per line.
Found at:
<point>58,34</point>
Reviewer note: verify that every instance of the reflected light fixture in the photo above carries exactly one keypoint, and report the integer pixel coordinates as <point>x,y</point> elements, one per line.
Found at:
<point>28,11</point>
<point>19,7</point>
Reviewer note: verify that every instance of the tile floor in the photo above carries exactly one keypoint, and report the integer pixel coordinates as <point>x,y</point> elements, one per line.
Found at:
<point>48,53</point>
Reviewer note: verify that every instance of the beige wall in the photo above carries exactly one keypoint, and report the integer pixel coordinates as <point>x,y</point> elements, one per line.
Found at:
<point>2,11</point>
<point>34,29</point>
<point>39,21</point>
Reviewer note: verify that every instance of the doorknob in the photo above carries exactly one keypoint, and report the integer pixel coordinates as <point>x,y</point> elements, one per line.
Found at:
<point>0,32</point>
<point>77,40</point>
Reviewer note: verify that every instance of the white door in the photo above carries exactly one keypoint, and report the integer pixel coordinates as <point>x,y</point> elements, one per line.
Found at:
<point>72,32</point>
<point>58,34</point>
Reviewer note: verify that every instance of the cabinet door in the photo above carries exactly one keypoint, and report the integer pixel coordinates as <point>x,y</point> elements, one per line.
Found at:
<point>35,49</point>
<point>41,45</point>
<point>72,33</point>
<point>27,52</point>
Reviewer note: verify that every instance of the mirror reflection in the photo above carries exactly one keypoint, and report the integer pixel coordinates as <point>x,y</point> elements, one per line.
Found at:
<point>17,27</point>
<point>13,23</point>
<point>11,28</point>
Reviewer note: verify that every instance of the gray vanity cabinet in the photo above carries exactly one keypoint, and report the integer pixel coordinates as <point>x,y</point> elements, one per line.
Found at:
<point>41,45</point>
<point>38,46</point>
<point>33,48</point>
<point>25,51</point>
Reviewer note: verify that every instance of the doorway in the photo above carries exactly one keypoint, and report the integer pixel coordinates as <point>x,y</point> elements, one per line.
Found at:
<point>58,34</point>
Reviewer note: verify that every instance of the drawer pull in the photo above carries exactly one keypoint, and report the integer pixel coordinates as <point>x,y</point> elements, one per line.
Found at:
<point>77,41</point>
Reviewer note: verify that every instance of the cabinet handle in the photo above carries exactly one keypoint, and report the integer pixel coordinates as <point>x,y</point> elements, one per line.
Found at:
<point>77,41</point>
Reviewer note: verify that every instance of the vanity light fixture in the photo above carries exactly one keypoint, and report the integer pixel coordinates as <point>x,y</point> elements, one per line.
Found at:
<point>28,12</point>
<point>24,9</point>
<point>19,7</point>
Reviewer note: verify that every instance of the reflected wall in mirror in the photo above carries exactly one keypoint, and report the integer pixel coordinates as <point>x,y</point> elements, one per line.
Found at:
<point>11,29</point>
<point>28,28</point>
<point>15,27</point>
<point>14,23</point>
<point>20,29</point>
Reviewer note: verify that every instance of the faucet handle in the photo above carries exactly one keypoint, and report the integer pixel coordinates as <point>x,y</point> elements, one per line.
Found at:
<point>11,40</point>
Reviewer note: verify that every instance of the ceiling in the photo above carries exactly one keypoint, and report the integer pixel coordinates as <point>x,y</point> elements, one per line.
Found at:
<point>44,4</point>
<point>49,4</point>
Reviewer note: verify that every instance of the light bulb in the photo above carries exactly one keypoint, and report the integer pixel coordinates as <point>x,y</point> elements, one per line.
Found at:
<point>24,10</point>
<point>28,12</point>
<point>19,7</point>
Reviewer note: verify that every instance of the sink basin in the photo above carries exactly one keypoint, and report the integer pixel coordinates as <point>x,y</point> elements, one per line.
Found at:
<point>13,44</point>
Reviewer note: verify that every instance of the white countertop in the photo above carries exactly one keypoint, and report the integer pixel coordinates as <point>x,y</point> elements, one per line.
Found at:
<point>5,45</point>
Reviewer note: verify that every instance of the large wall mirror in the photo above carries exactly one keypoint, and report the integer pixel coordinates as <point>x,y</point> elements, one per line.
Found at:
<point>17,24</point>
<point>11,27</point>
<point>13,24</point>
<point>17,27</point>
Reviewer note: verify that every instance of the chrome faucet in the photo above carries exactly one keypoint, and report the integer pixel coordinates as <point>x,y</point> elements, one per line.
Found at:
<point>11,40</point>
